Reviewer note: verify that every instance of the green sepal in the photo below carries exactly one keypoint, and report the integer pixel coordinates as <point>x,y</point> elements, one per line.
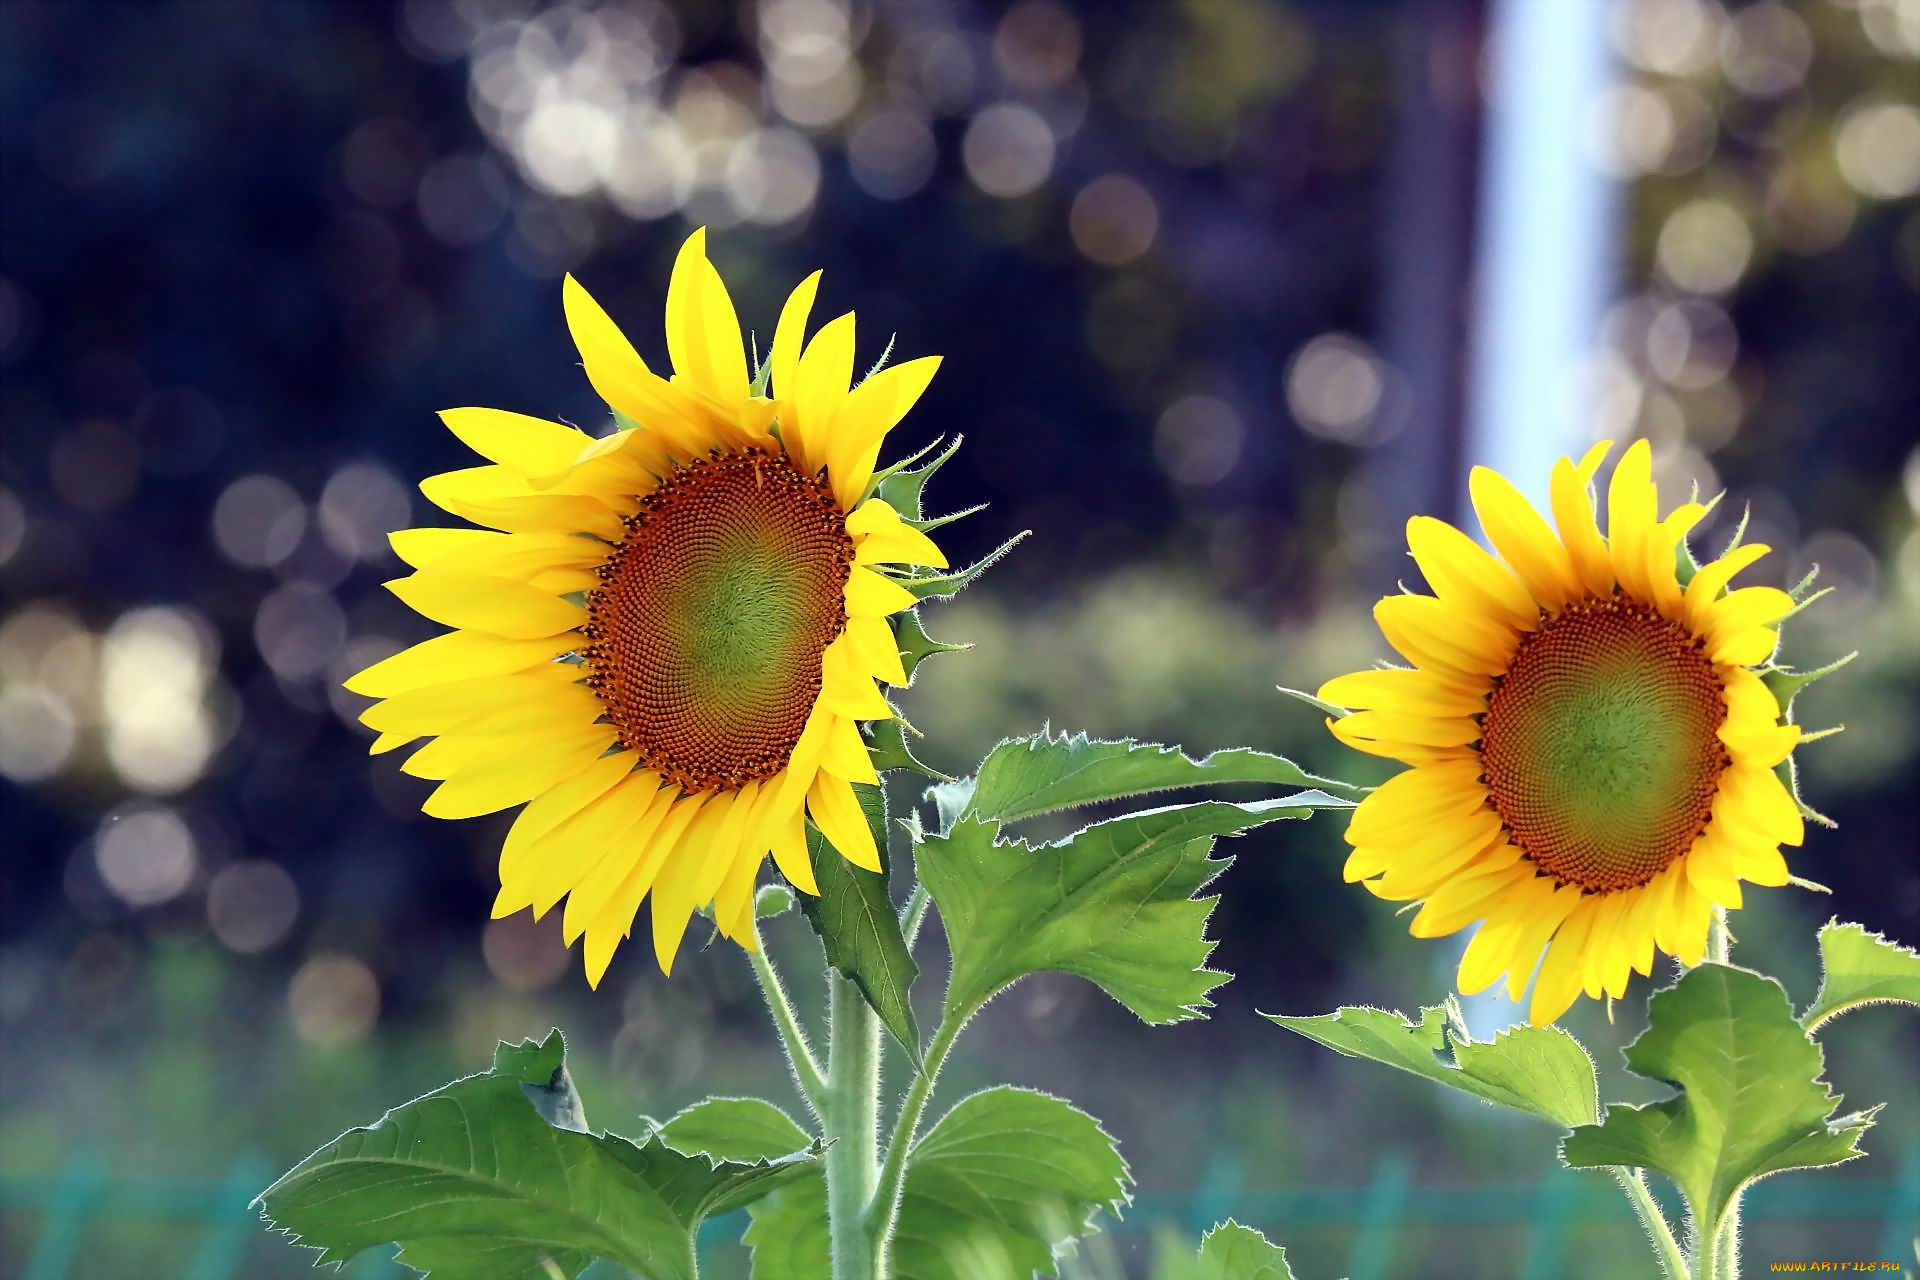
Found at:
<point>1328,708</point>
<point>621,422</point>
<point>1860,968</point>
<point>886,354</point>
<point>1786,683</point>
<point>902,485</point>
<point>1750,1100</point>
<point>1542,1071</point>
<point>1788,771</point>
<point>859,927</point>
<point>945,586</point>
<point>916,646</point>
<point>888,749</point>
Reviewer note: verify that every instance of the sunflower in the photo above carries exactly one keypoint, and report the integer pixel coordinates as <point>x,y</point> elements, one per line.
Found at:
<point>665,639</point>
<point>1594,756</point>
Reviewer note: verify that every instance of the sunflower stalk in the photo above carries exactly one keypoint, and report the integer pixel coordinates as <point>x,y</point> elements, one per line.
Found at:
<point>852,1125</point>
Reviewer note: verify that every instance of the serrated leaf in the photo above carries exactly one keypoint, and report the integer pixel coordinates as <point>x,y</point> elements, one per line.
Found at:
<point>742,1129</point>
<point>1023,777</point>
<point>1751,1099</point>
<point>999,1188</point>
<point>1113,903</point>
<point>541,1069</point>
<point>1228,1251</point>
<point>472,1181</point>
<point>1542,1071</point>
<point>859,926</point>
<point>1003,1185</point>
<point>945,586</point>
<point>1856,968</point>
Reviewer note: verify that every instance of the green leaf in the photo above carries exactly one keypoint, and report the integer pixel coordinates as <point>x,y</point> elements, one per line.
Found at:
<point>772,900</point>
<point>859,926</point>
<point>788,1233</point>
<point>742,1129</point>
<point>1856,968</point>
<point>472,1181</point>
<point>1752,1101</point>
<point>1113,903</point>
<point>1542,1071</point>
<point>1228,1251</point>
<point>1003,1185</point>
<point>1023,777</point>
<point>998,1189</point>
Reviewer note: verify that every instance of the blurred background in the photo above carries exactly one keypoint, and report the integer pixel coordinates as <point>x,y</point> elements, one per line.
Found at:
<point>1226,290</point>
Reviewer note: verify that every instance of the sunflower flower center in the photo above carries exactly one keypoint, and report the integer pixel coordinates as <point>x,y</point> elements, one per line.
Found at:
<point>1599,744</point>
<point>706,633</point>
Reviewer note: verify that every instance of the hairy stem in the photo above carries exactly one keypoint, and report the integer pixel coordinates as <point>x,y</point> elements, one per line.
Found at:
<point>806,1070</point>
<point>1673,1262</point>
<point>852,1123</point>
<point>915,913</point>
<point>884,1211</point>
<point>1722,1251</point>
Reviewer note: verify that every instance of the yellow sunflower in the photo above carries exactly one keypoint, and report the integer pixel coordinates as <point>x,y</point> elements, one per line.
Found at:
<point>1593,754</point>
<point>664,639</point>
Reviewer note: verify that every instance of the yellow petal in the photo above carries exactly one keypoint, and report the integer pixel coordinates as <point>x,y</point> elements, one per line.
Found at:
<point>1396,689</point>
<point>457,655</point>
<point>622,379</point>
<point>1631,513</point>
<point>549,809</point>
<point>1430,636</point>
<point>501,784</point>
<point>500,499</point>
<point>1523,539</point>
<point>847,689</point>
<point>790,852</point>
<point>846,753</point>
<point>789,336</point>
<point>552,863</point>
<point>870,411</point>
<point>882,537</point>
<point>1663,558</point>
<point>1757,798</point>
<point>869,595</point>
<point>1573,513</point>
<point>421,547</point>
<point>1743,610</point>
<point>876,648</point>
<point>1713,578</point>
<point>1396,726</point>
<point>703,330</point>
<point>1558,985</point>
<point>443,708</point>
<point>1461,571</point>
<point>523,556</point>
<point>531,446</point>
<point>673,902</point>
<point>1552,909</point>
<point>824,373</point>
<point>491,605</point>
<point>836,811</point>
<point>627,869</point>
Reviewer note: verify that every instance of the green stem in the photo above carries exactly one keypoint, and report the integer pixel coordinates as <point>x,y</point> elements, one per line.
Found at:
<point>1673,1262</point>
<point>1721,1252</point>
<point>915,913</point>
<point>884,1212</point>
<point>806,1070</point>
<point>852,1123</point>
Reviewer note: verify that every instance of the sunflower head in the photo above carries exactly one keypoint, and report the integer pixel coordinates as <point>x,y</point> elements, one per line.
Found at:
<point>1598,760</point>
<point>665,640</point>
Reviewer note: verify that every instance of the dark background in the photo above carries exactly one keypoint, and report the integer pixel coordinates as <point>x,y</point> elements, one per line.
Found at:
<point>1201,274</point>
